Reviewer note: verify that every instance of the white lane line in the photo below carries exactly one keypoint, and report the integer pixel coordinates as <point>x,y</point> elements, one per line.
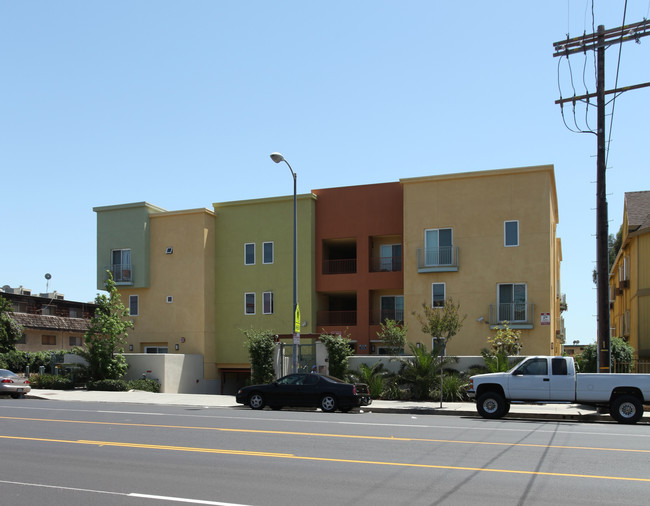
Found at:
<point>123,494</point>
<point>182,499</point>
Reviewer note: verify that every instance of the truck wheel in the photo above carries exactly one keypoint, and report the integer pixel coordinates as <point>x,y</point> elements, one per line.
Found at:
<point>491,405</point>
<point>626,409</point>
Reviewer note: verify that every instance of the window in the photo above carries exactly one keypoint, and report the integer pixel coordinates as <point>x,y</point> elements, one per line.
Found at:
<point>74,341</point>
<point>121,265</point>
<point>559,366</point>
<point>75,312</point>
<point>390,257</point>
<point>48,340</point>
<point>133,305</point>
<point>512,302</point>
<point>437,294</point>
<point>249,303</point>
<point>267,302</point>
<point>156,349</point>
<point>249,253</point>
<point>267,252</point>
<point>511,233</point>
<point>438,246</point>
<point>534,367</point>
<point>392,308</point>
<point>48,310</point>
<point>170,299</point>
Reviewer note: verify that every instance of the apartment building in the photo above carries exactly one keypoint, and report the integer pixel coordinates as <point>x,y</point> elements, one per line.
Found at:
<point>629,279</point>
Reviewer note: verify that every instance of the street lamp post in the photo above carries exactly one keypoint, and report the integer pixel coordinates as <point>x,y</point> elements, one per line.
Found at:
<point>277,158</point>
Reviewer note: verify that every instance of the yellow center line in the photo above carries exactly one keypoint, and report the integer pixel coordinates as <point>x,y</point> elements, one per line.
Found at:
<point>341,436</point>
<point>324,459</point>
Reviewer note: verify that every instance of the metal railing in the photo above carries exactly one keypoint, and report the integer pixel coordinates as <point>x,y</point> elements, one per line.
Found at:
<point>443,256</point>
<point>329,318</point>
<point>636,366</point>
<point>513,312</point>
<point>342,266</point>
<point>378,316</point>
<point>386,264</point>
<point>122,273</point>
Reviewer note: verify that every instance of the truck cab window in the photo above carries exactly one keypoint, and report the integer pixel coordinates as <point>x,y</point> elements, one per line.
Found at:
<point>534,367</point>
<point>559,367</point>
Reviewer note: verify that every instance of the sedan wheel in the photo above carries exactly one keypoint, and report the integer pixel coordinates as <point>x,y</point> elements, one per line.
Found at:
<point>256,400</point>
<point>328,403</point>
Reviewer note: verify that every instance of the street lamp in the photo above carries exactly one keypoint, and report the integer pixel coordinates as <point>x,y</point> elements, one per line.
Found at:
<point>277,158</point>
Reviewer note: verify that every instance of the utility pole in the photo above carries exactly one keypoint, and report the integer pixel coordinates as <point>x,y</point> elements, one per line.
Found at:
<point>599,42</point>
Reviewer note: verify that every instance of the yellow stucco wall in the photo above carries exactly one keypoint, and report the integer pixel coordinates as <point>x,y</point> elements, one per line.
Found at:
<point>476,205</point>
<point>186,275</point>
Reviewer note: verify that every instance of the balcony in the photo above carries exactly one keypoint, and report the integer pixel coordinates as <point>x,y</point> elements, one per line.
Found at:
<point>122,273</point>
<point>336,318</point>
<point>440,259</point>
<point>341,266</point>
<point>518,315</point>
<point>379,316</point>
<point>386,264</point>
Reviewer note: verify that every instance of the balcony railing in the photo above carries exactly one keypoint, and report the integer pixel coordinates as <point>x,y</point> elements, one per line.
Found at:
<point>336,318</point>
<point>378,316</point>
<point>386,264</point>
<point>122,273</point>
<point>441,259</point>
<point>515,313</point>
<point>342,266</point>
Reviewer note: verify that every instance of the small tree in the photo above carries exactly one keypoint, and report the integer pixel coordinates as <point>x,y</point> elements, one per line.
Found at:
<point>622,355</point>
<point>441,322</point>
<point>10,331</point>
<point>106,336</point>
<point>338,353</point>
<point>260,345</point>
<point>393,336</point>
<point>505,343</point>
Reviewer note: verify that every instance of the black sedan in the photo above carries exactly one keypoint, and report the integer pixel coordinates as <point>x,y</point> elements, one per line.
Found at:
<point>311,390</point>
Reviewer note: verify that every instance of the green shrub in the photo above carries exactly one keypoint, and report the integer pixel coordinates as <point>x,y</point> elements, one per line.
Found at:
<point>454,387</point>
<point>50,381</point>
<point>146,385</point>
<point>109,385</point>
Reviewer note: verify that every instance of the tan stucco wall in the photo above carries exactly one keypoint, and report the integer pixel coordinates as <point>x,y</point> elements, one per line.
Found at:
<point>475,205</point>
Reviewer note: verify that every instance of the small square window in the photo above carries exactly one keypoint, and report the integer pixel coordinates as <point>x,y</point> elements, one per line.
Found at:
<point>511,233</point>
<point>267,249</point>
<point>47,340</point>
<point>249,303</point>
<point>268,302</point>
<point>75,341</point>
<point>170,299</point>
<point>249,253</point>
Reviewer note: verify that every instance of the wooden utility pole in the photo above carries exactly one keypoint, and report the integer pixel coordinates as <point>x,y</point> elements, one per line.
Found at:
<point>598,42</point>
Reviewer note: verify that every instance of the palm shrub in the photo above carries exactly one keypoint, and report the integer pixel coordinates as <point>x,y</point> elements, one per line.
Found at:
<point>420,373</point>
<point>374,376</point>
<point>454,386</point>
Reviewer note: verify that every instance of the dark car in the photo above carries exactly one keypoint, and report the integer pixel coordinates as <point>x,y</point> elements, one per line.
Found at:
<point>12,384</point>
<point>310,390</point>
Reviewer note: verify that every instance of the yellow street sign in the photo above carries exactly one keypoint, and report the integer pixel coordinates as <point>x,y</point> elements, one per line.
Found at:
<point>296,325</point>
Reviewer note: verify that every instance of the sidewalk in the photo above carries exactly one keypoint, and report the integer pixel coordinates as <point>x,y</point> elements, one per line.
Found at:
<point>544,411</point>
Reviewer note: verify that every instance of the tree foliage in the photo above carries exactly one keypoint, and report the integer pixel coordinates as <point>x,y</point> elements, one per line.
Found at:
<point>374,376</point>
<point>106,336</point>
<point>441,322</point>
<point>420,373</point>
<point>622,356</point>
<point>393,336</point>
<point>260,345</point>
<point>338,353</point>
<point>505,343</point>
<point>10,331</point>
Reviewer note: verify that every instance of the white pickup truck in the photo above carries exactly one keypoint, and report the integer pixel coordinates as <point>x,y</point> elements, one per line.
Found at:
<point>545,380</point>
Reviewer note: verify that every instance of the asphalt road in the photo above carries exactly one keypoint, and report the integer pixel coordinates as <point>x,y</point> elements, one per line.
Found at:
<point>80,453</point>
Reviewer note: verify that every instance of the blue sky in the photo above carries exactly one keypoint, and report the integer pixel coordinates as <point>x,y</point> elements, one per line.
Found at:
<point>180,103</point>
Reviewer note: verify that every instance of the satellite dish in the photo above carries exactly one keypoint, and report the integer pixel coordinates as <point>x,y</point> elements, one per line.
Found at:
<point>48,276</point>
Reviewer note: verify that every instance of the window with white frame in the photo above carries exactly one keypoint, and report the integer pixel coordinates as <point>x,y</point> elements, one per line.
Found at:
<point>512,302</point>
<point>437,294</point>
<point>156,349</point>
<point>267,303</point>
<point>249,303</point>
<point>511,233</point>
<point>249,253</point>
<point>134,303</point>
<point>438,246</point>
<point>267,252</point>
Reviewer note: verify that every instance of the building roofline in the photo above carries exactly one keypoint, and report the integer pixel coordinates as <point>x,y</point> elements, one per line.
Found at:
<point>132,205</point>
<point>266,200</point>
<point>198,210</point>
